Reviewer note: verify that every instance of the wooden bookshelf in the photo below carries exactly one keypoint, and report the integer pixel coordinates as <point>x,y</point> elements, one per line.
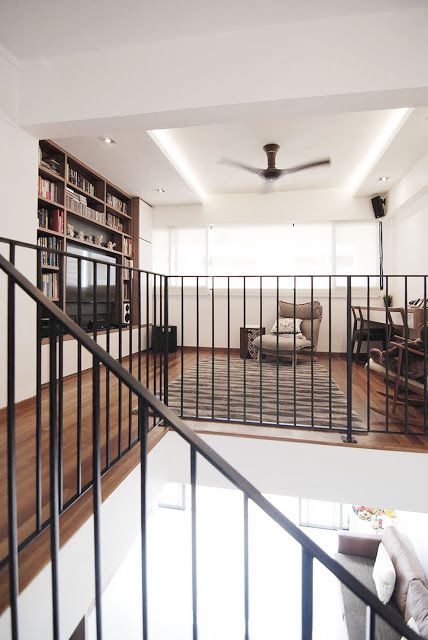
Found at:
<point>72,193</point>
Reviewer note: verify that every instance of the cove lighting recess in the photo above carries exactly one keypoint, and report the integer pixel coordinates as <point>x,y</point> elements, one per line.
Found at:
<point>379,144</point>
<point>163,139</point>
<point>107,140</point>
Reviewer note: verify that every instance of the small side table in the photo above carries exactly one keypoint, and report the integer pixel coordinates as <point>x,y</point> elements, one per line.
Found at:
<point>159,339</point>
<point>246,336</point>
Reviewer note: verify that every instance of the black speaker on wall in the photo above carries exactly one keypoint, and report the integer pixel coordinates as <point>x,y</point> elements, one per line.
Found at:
<point>126,315</point>
<point>378,205</point>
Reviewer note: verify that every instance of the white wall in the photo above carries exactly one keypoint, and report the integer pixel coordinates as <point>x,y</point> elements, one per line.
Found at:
<point>18,195</point>
<point>301,206</point>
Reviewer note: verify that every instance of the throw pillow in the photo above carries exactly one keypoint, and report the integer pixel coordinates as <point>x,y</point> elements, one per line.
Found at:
<point>413,626</point>
<point>287,325</point>
<point>417,604</point>
<point>384,575</point>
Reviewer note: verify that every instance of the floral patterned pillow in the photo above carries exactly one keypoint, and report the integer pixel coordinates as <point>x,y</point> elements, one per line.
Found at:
<point>288,326</point>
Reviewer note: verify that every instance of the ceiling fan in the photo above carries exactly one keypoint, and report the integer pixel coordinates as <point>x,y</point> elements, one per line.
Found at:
<point>272,173</point>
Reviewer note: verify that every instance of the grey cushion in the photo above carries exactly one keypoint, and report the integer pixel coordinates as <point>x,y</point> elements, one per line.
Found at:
<point>355,609</point>
<point>417,606</point>
<point>269,343</point>
<point>406,564</point>
<point>305,311</point>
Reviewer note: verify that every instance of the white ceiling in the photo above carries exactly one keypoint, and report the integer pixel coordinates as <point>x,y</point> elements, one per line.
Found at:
<point>345,138</point>
<point>138,165</point>
<point>45,28</point>
<point>135,164</point>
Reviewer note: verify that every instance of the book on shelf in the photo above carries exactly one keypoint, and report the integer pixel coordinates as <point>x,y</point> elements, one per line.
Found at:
<point>127,246</point>
<point>114,222</point>
<point>77,203</point>
<point>126,290</point>
<point>48,257</point>
<point>47,161</point>
<point>116,203</point>
<point>76,178</point>
<point>50,285</point>
<point>48,190</point>
<point>52,220</point>
<point>127,262</point>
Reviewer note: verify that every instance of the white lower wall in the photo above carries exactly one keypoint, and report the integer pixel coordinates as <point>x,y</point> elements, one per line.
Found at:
<point>18,220</point>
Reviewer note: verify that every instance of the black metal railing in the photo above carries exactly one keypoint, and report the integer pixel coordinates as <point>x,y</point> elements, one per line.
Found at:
<point>61,324</point>
<point>90,292</point>
<point>332,384</point>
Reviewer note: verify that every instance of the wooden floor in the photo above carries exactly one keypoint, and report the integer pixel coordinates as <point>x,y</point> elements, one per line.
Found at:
<point>123,431</point>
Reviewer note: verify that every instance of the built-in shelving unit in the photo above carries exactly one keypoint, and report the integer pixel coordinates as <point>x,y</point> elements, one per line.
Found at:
<point>76,204</point>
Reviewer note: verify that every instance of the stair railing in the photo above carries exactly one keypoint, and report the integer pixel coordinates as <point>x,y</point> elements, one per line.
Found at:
<point>147,401</point>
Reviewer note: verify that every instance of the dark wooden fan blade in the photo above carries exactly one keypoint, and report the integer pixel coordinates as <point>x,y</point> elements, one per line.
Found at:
<point>231,163</point>
<point>307,165</point>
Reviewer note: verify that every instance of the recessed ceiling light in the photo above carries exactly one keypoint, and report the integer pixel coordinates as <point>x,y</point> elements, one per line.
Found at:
<point>383,178</point>
<point>160,189</point>
<point>107,140</point>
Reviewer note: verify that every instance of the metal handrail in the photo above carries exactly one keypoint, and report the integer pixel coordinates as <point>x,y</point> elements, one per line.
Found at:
<point>309,547</point>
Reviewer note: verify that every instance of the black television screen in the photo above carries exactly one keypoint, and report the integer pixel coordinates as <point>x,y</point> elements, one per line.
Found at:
<point>105,312</point>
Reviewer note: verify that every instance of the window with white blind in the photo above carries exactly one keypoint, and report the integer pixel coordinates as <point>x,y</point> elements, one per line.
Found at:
<point>303,250</point>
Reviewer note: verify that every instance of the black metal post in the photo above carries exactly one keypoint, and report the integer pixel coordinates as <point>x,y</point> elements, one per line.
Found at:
<point>349,437</point>
<point>11,458</point>
<point>246,572</point>
<point>96,491</point>
<point>143,420</point>
<point>307,595</point>
<point>166,344</point>
<point>194,547</point>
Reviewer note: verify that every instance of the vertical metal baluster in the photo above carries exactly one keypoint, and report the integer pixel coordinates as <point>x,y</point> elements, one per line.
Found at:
<point>228,347</point>
<point>246,572</point>
<point>368,354</point>
<point>406,361</point>
<point>193,480</point>
<point>212,348</point>
<point>163,329</point>
<point>244,292</point>
<point>143,425</point>
<point>139,320</point>
<point>60,418</point>
<point>119,395</point>
<point>166,343</point>
<point>182,349</point>
<point>197,346</point>
<point>154,341</point>
<point>11,456</point>
<point>79,383</point>
<point>53,475</point>
<point>348,437</point>
<point>39,498</point>
<point>370,623</point>
<point>97,491</point>
<point>147,330</point>
<point>261,339</point>
<point>130,354</point>
<point>95,307</point>
<point>312,352</point>
<point>387,346</point>
<point>107,372</point>
<point>294,353</point>
<point>307,595</point>
<point>277,350</point>
<point>330,407</point>
<point>425,354</point>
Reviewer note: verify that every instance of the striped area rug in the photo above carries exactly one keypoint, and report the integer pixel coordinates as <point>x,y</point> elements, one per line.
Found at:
<point>265,396</point>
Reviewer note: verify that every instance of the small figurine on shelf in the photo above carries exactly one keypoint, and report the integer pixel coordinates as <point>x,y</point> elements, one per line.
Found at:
<point>81,235</point>
<point>111,245</point>
<point>99,240</point>
<point>70,230</point>
<point>89,239</point>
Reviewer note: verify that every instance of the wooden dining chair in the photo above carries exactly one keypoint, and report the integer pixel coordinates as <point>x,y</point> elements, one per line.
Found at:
<point>367,331</point>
